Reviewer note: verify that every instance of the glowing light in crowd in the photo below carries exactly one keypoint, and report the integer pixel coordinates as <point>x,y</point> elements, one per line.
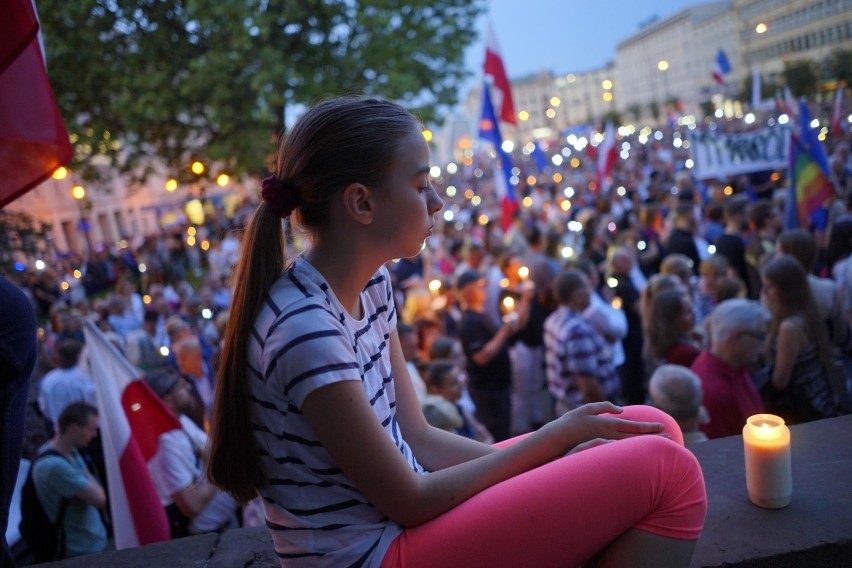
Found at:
<point>39,264</point>
<point>611,282</point>
<point>557,177</point>
<point>197,168</point>
<point>164,351</point>
<point>760,28</point>
<point>206,313</point>
<point>60,173</point>
<point>190,231</point>
<point>575,226</point>
<point>482,219</point>
<point>641,245</point>
<point>527,202</point>
<point>64,285</point>
<point>142,268</point>
<point>566,151</point>
<point>531,180</point>
<point>171,185</point>
<point>565,205</point>
<point>554,101</point>
<point>575,163</point>
<point>621,191</point>
<point>658,135</point>
<point>223,180</point>
<point>427,134</point>
<point>452,168</point>
<point>523,115</point>
<point>728,190</point>
<point>550,113</point>
<point>568,192</point>
<point>662,65</point>
<point>435,171</point>
<point>205,245</point>
<point>606,84</point>
<point>557,160</point>
<point>624,154</point>
<point>78,274</point>
<point>815,123</point>
<point>451,191</point>
<point>78,192</point>
<point>476,201</point>
<point>567,252</point>
<point>449,215</point>
<point>434,286</point>
<point>508,146</point>
<point>146,299</point>
<point>607,96</point>
<point>711,249</point>
<point>617,303</point>
<point>468,194</point>
<point>749,118</point>
<point>689,163</point>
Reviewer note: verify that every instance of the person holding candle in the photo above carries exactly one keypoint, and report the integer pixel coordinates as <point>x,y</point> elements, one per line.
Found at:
<point>799,352</point>
<point>315,411</point>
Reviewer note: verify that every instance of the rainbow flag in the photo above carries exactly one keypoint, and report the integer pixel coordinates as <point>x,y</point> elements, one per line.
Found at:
<point>810,183</point>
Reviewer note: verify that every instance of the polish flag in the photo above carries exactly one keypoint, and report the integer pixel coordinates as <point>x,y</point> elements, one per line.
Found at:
<point>495,69</point>
<point>132,419</point>
<point>33,139</point>
<point>835,113</point>
<point>606,157</point>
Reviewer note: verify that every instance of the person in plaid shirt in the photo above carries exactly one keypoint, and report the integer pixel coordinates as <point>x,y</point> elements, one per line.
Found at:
<point>579,361</point>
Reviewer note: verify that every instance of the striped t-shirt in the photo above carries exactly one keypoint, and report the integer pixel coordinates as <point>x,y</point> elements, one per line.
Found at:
<point>304,339</point>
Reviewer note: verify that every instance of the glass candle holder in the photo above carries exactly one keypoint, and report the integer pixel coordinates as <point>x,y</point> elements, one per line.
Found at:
<point>768,468</point>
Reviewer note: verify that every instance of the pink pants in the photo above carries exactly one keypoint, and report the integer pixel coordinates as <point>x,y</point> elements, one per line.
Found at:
<point>565,512</point>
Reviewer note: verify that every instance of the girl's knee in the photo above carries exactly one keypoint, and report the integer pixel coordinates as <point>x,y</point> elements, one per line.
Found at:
<point>645,413</point>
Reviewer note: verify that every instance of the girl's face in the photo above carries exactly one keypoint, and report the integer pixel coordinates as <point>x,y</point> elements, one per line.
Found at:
<point>768,295</point>
<point>685,322</point>
<point>407,202</point>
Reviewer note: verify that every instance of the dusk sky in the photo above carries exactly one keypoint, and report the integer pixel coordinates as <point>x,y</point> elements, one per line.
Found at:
<point>562,36</point>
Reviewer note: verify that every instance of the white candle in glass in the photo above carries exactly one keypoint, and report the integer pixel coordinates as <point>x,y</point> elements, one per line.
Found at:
<point>769,477</point>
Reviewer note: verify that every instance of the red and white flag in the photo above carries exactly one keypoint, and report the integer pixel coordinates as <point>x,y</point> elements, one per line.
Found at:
<point>33,139</point>
<point>495,69</point>
<point>606,155</point>
<point>835,113</point>
<point>132,419</point>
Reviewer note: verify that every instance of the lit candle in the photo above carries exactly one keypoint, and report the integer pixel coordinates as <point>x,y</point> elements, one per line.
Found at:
<point>769,478</point>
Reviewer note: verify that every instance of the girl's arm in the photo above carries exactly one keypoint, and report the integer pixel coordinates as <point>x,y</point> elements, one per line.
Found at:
<point>344,422</point>
<point>791,340</point>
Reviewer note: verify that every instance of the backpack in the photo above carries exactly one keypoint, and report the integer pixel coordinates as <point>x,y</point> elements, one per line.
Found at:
<point>44,539</point>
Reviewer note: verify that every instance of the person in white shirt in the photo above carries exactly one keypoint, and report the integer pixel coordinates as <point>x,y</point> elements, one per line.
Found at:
<point>193,504</point>
<point>65,384</point>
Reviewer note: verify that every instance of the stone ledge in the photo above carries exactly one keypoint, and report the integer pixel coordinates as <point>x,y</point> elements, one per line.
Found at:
<point>815,530</point>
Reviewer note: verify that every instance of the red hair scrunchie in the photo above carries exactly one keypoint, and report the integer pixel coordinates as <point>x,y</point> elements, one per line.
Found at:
<point>281,196</point>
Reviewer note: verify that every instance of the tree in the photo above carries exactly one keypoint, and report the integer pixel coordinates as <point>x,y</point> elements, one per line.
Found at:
<point>801,76</point>
<point>840,65</point>
<point>147,83</point>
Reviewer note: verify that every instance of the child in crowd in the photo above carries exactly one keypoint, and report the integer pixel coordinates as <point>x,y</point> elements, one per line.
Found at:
<point>445,379</point>
<point>315,410</point>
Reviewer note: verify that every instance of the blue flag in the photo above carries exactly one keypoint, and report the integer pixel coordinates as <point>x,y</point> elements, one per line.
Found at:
<point>539,157</point>
<point>489,130</point>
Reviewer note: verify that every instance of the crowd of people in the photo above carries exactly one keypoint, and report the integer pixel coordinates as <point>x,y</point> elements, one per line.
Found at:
<point>651,287</point>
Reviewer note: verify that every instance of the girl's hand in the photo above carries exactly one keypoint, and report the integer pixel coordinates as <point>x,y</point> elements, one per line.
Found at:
<point>586,423</point>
